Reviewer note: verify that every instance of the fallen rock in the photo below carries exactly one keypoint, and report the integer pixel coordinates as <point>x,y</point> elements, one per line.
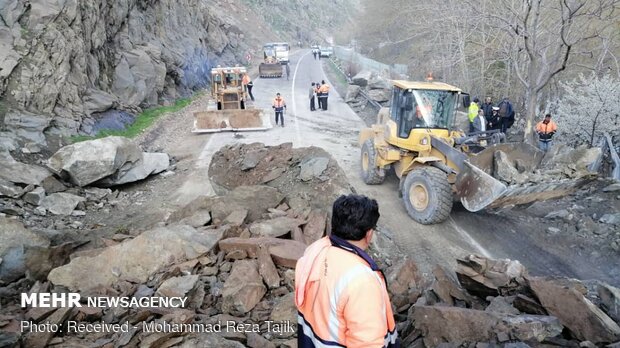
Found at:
<point>352,92</point>
<point>580,158</point>
<point>612,188</point>
<point>251,159</point>
<point>362,78</point>
<point>563,300</point>
<point>530,327</point>
<point>503,169</point>
<point>149,164</point>
<point>177,286</point>
<point>251,245</point>
<point>21,173</point>
<point>286,255</point>
<point>61,203</point>
<point>275,227</point>
<point>255,340</point>
<point>15,239</point>
<point>380,95</point>
<point>89,161</point>
<point>8,189</point>
<point>402,275</point>
<point>313,168</point>
<point>484,277</point>
<point>267,268</point>
<point>610,219</point>
<point>378,82</point>
<point>314,229</point>
<point>137,259</point>
<point>447,288</point>
<point>243,289</point>
<point>454,325</point>
<point>527,305</point>
<point>255,199</point>
<point>26,126</point>
<point>285,311</point>
<point>236,218</point>
<point>52,185</point>
<point>34,197</point>
<point>502,306</point>
<point>209,340</point>
<point>41,339</point>
<point>199,219</point>
<point>610,300</point>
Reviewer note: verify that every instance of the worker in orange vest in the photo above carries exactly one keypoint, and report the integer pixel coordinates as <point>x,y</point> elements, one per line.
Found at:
<point>324,94</point>
<point>279,105</point>
<point>247,83</point>
<point>340,293</point>
<point>546,129</point>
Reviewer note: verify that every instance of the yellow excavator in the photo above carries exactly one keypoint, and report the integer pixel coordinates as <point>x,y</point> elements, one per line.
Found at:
<point>229,108</point>
<point>270,67</point>
<point>436,163</point>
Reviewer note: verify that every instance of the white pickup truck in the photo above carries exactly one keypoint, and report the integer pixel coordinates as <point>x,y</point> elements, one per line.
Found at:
<point>326,51</point>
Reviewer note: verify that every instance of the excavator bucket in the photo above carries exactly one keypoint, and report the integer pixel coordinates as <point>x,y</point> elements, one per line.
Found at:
<point>478,188</point>
<point>230,120</point>
<point>270,69</point>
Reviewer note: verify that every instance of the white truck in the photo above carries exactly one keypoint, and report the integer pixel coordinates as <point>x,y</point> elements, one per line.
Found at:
<point>282,50</point>
<point>326,52</point>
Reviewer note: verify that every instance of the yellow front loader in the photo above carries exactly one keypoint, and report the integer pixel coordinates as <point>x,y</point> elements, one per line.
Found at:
<point>436,163</point>
<point>229,108</point>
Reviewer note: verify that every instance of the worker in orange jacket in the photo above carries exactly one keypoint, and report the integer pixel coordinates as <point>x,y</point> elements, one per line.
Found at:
<point>340,293</point>
<point>279,105</point>
<point>248,84</point>
<point>324,94</point>
<point>546,129</point>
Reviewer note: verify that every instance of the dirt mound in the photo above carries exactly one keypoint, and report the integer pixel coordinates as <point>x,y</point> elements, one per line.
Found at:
<point>307,176</point>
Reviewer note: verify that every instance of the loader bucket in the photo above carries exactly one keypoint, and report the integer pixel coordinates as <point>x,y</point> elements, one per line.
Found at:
<point>477,188</point>
<point>270,70</point>
<point>229,120</point>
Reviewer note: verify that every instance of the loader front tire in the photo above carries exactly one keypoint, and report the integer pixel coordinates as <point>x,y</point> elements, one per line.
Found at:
<point>427,195</point>
<point>371,174</point>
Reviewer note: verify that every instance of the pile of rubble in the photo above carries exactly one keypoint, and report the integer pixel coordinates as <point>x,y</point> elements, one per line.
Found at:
<point>496,303</point>
<point>372,85</point>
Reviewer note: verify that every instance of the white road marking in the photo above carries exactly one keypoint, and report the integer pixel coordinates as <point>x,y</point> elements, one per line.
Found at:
<point>470,239</point>
<point>297,132</point>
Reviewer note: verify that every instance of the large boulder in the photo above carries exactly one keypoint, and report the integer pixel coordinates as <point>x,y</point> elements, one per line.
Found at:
<point>243,289</point>
<point>380,95</point>
<point>15,239</point>
<point>26,127</point>
<point>362,78</point>
<point>150,163</point>
<point>137,259</point>
<point>352,92</point>
<point>87,162</point>
<point>378,82</point>
<point>610,300</point>
<point>21,173</point>
<point>565,300</point>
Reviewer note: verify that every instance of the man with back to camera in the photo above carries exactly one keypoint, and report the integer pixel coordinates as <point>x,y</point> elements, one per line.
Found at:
<point>340,293</point>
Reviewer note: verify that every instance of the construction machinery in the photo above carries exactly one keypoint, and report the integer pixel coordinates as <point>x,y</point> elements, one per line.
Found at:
<point>229,108</point>
<point>436,163</point>
<point>270,67</point>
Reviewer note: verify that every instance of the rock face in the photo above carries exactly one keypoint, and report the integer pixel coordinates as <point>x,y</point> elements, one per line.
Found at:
<point>135,260</point>
<point>14,240</point>
<point>243,289</point>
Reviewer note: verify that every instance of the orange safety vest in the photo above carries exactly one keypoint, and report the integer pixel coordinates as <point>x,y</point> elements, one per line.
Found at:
<point>279,103</point>
<point>550,127</point>
<point>342,298</point>
<point>246,79</point>
<point>324,88</point>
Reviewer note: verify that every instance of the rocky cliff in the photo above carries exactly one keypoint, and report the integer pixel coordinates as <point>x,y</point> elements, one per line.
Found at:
<point>64,62</point>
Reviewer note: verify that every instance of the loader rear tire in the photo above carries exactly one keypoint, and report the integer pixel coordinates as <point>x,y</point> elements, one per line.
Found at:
<point>371,174</point>
<point>427,195</point>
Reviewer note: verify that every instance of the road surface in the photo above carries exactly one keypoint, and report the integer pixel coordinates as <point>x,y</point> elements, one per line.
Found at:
<point>336,131</point>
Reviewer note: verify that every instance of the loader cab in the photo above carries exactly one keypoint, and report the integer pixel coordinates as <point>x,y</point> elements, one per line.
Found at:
<point>423,107</point>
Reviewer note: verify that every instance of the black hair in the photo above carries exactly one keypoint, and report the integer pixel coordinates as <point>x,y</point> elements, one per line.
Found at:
<point>353,216</point>
<point>547,115</point>
<point>323,81</point>
<point>313,83</point>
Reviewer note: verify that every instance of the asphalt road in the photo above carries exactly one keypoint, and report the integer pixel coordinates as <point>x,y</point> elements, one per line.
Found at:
<point>336,130</point>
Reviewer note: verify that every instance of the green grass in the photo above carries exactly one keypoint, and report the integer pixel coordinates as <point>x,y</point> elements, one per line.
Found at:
<point>142,122</point>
